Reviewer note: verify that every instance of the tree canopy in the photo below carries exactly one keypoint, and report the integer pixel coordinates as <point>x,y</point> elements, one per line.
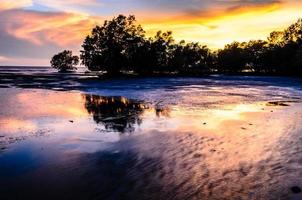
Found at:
<point>110,47</point>
<point>120,44</point>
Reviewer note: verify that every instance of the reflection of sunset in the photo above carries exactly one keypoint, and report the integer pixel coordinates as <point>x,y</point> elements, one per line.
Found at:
<point>122,114</point>
<point>12,125</point>
<point>233,112</point>
<point>203,120</point>
<point>200,137</point>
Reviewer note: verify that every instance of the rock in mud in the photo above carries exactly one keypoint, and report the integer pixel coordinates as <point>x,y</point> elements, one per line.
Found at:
<point>276,103</point>
<point>296,189</point>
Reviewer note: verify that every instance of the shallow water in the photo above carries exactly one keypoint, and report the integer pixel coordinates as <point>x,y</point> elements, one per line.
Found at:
<point>189,138</point>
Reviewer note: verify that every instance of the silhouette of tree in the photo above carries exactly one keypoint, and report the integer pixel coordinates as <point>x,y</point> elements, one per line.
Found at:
<point>294,33</point>
<point>141,59</point>
<point>120,44</point>
<point>161,46</point>
<point>64,61</point>
<point>255,51</point>
<point>190,57</point>
<point>111,46</point>
<point>152,54</point>
<point>276,38</point>
<point>280,54</point>
<point>233,58</point>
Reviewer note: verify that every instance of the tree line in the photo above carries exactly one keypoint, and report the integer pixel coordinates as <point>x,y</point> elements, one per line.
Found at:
<point>120,45</point>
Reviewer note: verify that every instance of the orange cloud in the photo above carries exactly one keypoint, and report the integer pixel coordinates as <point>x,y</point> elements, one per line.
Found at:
<point>3,58</point>
<point>62,29</point>
<point>208,17</point>
<point>218,26</point>
<point>5,5</point>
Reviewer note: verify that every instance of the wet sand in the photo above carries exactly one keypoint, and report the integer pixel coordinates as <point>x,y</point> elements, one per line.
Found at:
<point>197,141</point>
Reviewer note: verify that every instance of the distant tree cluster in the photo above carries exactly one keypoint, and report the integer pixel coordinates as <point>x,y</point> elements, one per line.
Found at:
<point>64,61</point>
<point>280,54</point>
<point>120,45</point>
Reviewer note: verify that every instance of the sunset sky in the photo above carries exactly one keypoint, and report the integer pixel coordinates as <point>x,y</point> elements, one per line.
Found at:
<point>31,31</point>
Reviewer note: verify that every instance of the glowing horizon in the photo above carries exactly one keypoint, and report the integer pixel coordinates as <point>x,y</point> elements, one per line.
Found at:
<point>31,31</point>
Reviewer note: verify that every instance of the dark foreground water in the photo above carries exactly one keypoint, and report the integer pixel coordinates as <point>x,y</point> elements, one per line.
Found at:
<point>157,138</point>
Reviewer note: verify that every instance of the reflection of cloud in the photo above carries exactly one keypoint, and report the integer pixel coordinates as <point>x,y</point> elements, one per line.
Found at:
<point>51,104</point>
<point>35,104</point>
<point>13,125</point>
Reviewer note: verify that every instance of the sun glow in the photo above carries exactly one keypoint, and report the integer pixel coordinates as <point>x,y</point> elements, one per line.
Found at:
<point>217,29</point>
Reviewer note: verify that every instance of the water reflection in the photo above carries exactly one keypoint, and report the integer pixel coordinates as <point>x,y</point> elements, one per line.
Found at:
<point>198,146</point>
<point>115,113</point>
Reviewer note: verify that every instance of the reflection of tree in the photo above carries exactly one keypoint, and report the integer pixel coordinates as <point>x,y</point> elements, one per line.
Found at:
<point>162,111</point>
<point>115,113</point>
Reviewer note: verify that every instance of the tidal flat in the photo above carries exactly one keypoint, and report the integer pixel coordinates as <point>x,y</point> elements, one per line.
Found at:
<point>218,137</point>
